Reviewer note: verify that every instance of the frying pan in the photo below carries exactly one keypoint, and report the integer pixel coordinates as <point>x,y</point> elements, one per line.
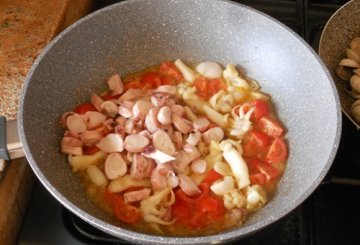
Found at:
<point>342,27</point>
<point>132,35</point>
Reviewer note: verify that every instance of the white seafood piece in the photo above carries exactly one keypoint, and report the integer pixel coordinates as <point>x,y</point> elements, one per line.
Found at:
<point>222,168</point>
<point>192,152</point>
<point>141,108</point>
<point>159,99</point>
<point>94,119</point>
<point>209,69</point>
<point>186,71</point>
<point>355,83</point>
<point>162,141</point>
<point>181,124</point>
<point>355,110</point>
<point>166,89</point>
<point>130,126</point>
<point>232,76</point>
<point>158,181</point>
<point>141,166</point>
<point>172,180</point>
<point>72,146</point>
<point>76,123</point>
<point>198,166</point>
<point>177,138</point>
<point>64,117</point>
<point>242,124</point>
<point>110,108</point>
<point>84,161</point>
<point>201,124</point>
<point>216,117</point>
<point>96,101</point>
<point>194,138</point>
<point>188,185</point>
<point>178,110</point>
<point>164,115</point>
<point>146,134</point>
<point>120,129</point>
<point>135,196</point>
<point>352,55</point>
<point>115,84</point>
<point>151,122</point>
<point>349,63</point>
<point>136,143</point>
<point>256,198</point>
<point>115,166</point>
<point>111,143</point>
<point>181,161</point>
<point>159,156</point>
<point>237,164</point>
<point>90,137</point>
<point>96,175</point>
<point>132,94</point>
<point>223,186</point>
<point>68,133</point>
<point>125,112</point>
<point>214,134</point>
<point>125,182</point>
<point>189,114</point>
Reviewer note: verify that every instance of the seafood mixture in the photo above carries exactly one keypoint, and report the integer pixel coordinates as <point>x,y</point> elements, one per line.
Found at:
<point>348,69</point>
<point>177,149</point>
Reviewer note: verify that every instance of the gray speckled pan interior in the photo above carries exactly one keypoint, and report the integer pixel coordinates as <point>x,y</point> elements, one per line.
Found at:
<point>342,27</point>
<point>132,35</point>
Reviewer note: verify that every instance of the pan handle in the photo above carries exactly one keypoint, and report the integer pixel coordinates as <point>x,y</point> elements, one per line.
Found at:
<point>4,153</point>
<point>10,145</point>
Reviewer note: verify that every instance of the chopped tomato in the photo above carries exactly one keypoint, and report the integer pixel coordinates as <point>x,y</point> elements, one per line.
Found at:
<point>169,69</point>
<point>261,109</point>
<point>124,212</point>
<point>83,108</point>
<point>151,78</point>
<point>258,178</point>
<point>206,88</point>
<point>256,144</point>
<point>212,176</point>
<point>90,150</point>
<point>277,152</point>
<point>270,127</point>
<point>266,168</point>
<point>211,205</point>
<point>181,211</point>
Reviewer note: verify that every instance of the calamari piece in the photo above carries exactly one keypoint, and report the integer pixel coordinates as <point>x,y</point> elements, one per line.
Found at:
<point>136,143</point>
<point>188,185</point>
<point>135,196</point>
<point>84,161</point>
<point>214,134</point>
<point>115,166</point>
<point>162,141</point>
<point>111,143</point>
<point>71,145</point>
<point>115,84</point>
<point>186,71</point>
<point>76,123</point>
<point>209,69</point>
<point>125,182</point>
<point>96,176</point>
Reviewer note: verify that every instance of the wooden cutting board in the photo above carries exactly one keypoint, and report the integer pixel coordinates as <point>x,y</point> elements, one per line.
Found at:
<point>26,27</point>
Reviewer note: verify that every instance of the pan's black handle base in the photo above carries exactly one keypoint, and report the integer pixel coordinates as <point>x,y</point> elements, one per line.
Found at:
<point>4,153</point>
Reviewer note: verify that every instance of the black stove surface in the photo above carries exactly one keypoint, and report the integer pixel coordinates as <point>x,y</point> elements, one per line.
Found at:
<point>331,215</point>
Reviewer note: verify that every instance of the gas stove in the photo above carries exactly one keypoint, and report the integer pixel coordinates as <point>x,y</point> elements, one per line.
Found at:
<point>329,216</point>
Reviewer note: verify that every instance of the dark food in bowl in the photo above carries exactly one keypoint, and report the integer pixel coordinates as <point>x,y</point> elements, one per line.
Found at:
<point>175,150</point>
